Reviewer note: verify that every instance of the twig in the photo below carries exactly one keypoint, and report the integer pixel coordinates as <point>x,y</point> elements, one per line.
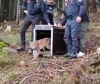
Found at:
<point>63,68</point>
<point>97,45</point>
<point>24,79</point>
<point>57,65</point>
<point>34,75</point>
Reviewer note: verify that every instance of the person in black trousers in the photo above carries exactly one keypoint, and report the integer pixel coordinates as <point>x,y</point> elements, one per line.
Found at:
<point>32,9</point>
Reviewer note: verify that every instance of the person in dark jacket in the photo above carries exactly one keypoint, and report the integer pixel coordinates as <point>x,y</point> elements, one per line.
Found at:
<point>82,32</point>
<point>32,9</point>
<point>50,12</point>
<point>74,11</point>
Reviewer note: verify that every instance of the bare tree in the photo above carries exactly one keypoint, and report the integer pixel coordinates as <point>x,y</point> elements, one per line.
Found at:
<point>0,10</point>
<point>18,12</point>
<point>93,7</point>
<point>87,5</point>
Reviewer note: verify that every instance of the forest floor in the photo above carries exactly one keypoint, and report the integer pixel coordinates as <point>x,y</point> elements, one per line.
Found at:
<point>20,68</point>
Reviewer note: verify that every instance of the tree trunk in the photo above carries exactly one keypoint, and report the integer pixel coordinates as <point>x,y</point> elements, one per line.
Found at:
<point>18,12</point>
<point>93,7</point>
<point>0,10</point>
<point>87,5</point>
<point>15,9</point>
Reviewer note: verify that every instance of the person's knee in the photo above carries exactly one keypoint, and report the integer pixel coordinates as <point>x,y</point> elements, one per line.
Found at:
<point>74,36</point>
<point>66,38</point>
<point>22,31</point>
<point>81,35</point>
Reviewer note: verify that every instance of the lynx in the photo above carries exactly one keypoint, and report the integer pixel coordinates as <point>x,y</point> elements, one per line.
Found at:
<point>36,46</point>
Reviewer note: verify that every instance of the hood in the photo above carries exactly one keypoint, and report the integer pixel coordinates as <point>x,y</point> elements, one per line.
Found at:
<point>46,2</point>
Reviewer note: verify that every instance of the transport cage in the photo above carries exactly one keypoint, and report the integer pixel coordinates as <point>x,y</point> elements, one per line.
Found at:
<point>56,34</point>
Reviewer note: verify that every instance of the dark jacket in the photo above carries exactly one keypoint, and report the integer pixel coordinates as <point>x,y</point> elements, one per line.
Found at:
<point>33,8</point>
<point>47,11</point>
<point>85,18</point>
<point>73,9</point>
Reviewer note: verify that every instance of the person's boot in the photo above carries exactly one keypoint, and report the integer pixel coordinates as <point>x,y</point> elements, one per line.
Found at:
<point>80,54</point>
<point>21,48</point>
<point>73,56</point>
<point>67,54</point>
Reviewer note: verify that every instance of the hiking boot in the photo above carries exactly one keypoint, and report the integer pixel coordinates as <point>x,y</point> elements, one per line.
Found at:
<point>73,56</point>
<point>21,48</point>
<point>67,55</point>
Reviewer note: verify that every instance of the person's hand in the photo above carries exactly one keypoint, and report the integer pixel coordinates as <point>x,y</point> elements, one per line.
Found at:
<point>78,19</point>
<point>55,24</point>
<point>26,12</point>
<point>49,24</point>
<point>59,25</point>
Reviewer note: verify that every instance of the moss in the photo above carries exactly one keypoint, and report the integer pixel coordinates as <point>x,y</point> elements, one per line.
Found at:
<point>2,63</point>
<point>98,80</point>
<point>4,53</point>
<point>66,75</point>
<point>90,69</point>
<point>2,44</point>
<point>11,75</point>
<point>47,80</point>
<point>5,61</point>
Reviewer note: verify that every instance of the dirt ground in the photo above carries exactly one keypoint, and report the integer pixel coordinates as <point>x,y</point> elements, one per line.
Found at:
<point>56,69</point>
